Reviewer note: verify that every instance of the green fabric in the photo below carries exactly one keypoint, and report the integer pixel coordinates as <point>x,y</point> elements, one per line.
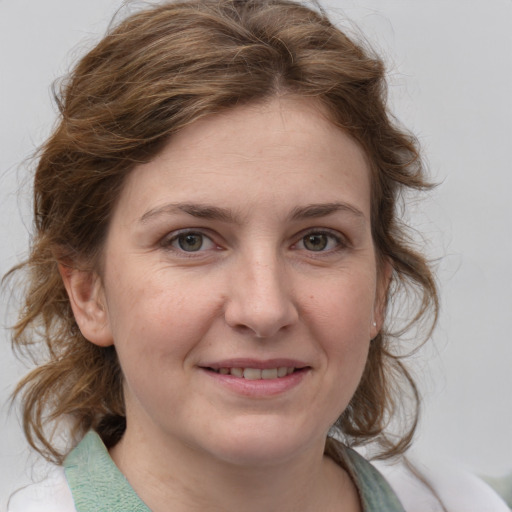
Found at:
<point>95,482</point>
<point>376,494</point>
<point>98,486</point>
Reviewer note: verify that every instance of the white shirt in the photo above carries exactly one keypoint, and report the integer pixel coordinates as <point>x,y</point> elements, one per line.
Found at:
<point>460,492</point>
<point>50,495</point>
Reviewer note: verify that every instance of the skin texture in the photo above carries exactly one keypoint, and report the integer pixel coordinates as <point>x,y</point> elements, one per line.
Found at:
<point>246,242</point>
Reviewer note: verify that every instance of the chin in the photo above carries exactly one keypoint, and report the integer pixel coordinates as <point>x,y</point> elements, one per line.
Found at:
<point>263,443</point>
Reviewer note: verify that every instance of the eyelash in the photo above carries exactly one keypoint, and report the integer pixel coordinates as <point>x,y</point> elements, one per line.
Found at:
<point>332,236</point>
<point>169,242</point>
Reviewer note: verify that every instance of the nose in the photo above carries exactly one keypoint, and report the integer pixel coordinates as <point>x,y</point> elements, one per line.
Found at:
<point>261,299</point>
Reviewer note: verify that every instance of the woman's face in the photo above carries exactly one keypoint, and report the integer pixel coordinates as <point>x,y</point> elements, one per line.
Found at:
<point>240,285</point>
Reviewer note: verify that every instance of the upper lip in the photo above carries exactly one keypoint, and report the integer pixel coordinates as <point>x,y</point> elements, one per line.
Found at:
<point>255,363</point>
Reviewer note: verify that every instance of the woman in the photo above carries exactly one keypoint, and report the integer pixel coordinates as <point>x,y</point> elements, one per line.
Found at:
<point>216,244</point>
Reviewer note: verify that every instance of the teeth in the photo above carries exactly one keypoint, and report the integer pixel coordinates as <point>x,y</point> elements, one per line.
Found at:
<point>252,374</point>
<point>283,371</point>
<point>237,372</point>
<point>256,373</point>
<point>269,373</point>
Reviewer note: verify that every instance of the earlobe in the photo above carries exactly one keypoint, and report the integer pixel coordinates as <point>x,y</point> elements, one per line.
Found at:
<point>379,309</point>
<point>85,292</point>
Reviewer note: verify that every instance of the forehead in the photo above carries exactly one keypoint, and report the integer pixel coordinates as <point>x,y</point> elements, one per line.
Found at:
<point>282,151</point>
<point>263,130</point>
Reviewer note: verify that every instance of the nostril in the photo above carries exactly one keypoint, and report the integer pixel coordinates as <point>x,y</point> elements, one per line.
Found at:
<point>260,305</point>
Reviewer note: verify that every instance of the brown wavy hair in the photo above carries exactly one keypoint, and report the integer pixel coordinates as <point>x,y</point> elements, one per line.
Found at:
<point>153,73</point>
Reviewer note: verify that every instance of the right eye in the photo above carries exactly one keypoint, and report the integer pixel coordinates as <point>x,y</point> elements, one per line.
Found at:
<point>190,241</point>
<point>320,241</point>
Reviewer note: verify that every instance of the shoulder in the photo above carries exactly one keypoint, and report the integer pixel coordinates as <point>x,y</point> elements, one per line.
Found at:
<point>458,490</point>
<point>49,495</point>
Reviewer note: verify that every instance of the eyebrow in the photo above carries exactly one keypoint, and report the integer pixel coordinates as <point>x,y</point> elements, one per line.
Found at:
<point>314,211</point>
<point>205,211</point>
<point>195,210</point>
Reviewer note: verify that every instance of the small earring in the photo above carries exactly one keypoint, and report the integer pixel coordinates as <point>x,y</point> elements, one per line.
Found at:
<point>374,325</point>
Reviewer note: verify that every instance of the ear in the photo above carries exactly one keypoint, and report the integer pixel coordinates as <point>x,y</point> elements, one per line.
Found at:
<point>379,307</point>
<point>87,299</point>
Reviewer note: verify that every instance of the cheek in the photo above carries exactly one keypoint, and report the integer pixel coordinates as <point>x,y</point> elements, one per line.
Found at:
<point>341,317</point>
<point>156,329</point>
<point>156,318</point>
<point>344,309</point>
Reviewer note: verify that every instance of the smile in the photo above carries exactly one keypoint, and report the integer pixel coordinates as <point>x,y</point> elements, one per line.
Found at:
<point>256,373</point>
<point>257,379</point>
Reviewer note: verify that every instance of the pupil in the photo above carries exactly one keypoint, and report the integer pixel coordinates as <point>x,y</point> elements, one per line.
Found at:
<point>190,242</point>
<point>315,242</point>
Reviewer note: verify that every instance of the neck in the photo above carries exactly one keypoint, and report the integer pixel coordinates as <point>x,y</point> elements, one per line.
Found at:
<point>162,472</point>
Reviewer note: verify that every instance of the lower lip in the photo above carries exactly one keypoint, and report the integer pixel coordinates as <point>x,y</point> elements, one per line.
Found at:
<point>259,387</point>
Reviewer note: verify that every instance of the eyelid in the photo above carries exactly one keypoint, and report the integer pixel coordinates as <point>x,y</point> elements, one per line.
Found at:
<point>166,242</point>
<point>341,240</point>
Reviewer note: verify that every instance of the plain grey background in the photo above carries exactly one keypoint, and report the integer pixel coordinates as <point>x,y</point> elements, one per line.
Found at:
<point>450,72</point>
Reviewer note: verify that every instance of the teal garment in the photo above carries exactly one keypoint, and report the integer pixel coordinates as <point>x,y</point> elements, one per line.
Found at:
<point>375,493</point>
<point>98,486</point>
<point>95,482</point>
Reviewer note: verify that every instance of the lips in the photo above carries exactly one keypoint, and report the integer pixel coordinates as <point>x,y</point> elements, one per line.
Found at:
<point>249,369</point>
<point>255,373</point>
<point>256,378</point>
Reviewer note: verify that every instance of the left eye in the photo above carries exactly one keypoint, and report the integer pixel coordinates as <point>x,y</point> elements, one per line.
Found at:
<point>318,242</point>
<point>191,242</point>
